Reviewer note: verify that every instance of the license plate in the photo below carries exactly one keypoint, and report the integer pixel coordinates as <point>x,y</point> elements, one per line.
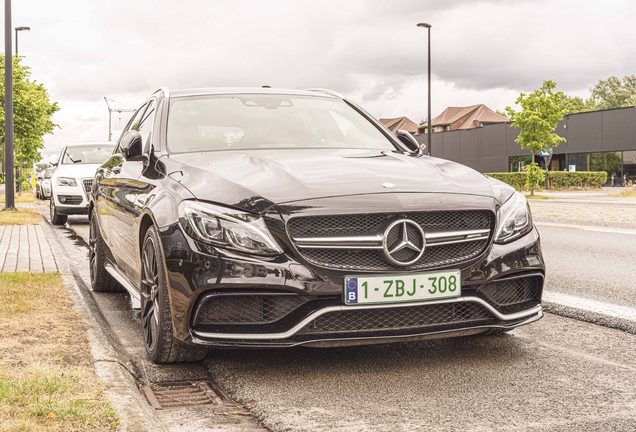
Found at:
<point>402,288</point>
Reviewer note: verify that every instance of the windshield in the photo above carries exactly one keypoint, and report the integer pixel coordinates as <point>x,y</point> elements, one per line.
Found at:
<point>231,122</point>
<point>87,154</point>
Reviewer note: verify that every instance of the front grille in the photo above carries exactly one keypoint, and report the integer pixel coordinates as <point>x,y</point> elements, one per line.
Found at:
<point>513,295</point>
<point>352,259</point>
<point>364,224</point>
<point>246,309</point>
<point>412,317</point>
<point>88,184</point>
<point>364,259</point>
<point>70,199</point>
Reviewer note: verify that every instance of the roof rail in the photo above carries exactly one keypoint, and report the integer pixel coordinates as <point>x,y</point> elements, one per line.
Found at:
<point>326,91</point>
<point>165,91</point>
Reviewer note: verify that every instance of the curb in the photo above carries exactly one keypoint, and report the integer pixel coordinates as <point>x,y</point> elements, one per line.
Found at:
<point>112,365</point>
<point>603,314</point>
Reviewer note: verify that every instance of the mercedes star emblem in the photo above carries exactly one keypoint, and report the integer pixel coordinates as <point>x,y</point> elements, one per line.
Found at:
<point>403,242</point>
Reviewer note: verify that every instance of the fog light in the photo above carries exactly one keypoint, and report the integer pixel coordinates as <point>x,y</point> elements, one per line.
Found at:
<point>62,199</point>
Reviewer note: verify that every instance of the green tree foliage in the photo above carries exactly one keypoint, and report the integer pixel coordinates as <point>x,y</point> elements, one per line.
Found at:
<point>534,176</point>
<point>502,113</point>
<point>32,112</point>
<point>615,92</point>
<point>576,104</point>
<point>540,113</point>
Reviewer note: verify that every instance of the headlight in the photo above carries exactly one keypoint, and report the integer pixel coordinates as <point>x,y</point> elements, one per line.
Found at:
<point>66,181</point>
<point>227,228</point>
<point>514,219</point>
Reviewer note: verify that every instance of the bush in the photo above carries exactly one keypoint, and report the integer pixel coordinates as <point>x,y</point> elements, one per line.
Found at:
<point>558,179</point>
<point>515,179</point>
<point>579,179</point>
<point>534,176</point>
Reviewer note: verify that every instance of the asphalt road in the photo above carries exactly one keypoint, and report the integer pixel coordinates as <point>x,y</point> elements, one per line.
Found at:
<point>556,374</point>
<point>592,262</point>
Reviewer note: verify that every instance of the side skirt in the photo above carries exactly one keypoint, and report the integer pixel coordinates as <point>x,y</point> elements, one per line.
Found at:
<point>134,293</point>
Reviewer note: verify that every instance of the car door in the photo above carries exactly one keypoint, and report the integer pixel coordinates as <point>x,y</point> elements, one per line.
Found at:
<point>121,191</point>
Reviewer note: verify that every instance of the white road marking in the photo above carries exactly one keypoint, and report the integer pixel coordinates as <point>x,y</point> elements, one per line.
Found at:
<point>588,228</point>
<point>613,310</point>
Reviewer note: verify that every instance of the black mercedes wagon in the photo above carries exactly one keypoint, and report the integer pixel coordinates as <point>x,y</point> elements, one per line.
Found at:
<point>265,217</point>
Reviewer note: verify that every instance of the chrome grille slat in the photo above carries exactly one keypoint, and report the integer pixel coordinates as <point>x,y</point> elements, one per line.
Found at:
<point>88,184</point>
<point>354,242</point>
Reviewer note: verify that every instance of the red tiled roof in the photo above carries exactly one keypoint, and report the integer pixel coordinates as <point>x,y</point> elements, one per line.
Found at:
<point>466,117</point>
<point>395,124</point>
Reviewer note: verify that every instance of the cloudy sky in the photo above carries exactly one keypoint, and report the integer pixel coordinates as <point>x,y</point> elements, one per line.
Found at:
<point>371,51</point>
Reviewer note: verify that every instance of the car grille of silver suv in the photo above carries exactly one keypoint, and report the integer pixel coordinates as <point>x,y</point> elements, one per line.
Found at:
<point>88,184</point>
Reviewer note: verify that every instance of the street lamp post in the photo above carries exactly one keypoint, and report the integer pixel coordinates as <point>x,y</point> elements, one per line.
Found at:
<point>19,173</point>
<point>9,201</point>
<point>18,29</point>
<point>428,123</point>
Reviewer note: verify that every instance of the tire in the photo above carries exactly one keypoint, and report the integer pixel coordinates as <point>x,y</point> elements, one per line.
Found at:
<point>156,317</point>
<point>101,280</point>
<point>37,193</point>
<point>56,218</point>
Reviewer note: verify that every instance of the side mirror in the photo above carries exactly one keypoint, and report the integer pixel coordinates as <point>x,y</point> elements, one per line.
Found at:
<point>53,160</point>
<point>410,142</point>
<point>131,146</point>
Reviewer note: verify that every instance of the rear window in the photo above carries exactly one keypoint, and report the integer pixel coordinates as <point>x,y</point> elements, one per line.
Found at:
<point>231,122</point>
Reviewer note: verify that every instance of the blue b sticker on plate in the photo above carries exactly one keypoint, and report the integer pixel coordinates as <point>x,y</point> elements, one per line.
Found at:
<point>352,290</point>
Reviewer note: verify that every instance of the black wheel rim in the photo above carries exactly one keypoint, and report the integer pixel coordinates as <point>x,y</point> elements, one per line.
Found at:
<point>92,248</point>
<point>150,295</point>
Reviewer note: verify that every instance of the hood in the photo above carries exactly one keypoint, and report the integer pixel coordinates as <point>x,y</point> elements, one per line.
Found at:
<point>77,171</point>
<point>254,180</point>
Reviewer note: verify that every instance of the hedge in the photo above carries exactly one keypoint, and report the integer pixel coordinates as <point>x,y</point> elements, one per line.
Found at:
<point>558,179</point>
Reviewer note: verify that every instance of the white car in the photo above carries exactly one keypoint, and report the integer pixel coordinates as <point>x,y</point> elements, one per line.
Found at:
<point>72,179</point>
<point>43,184</point>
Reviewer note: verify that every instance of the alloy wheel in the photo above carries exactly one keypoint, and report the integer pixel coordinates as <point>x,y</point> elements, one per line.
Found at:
<point>149,295</point>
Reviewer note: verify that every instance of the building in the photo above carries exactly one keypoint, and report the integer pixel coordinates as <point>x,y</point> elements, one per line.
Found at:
<point>595,141</point>
<point>470,117</point>
<point>396,124</point>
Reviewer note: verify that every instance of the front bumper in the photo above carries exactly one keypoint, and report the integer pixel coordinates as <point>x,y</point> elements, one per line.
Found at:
<point>71,200</point>
<point>225,300</point>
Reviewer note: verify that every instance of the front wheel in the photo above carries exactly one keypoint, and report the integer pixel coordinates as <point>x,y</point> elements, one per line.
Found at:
<point>56,218</point>
<point>156,317</point>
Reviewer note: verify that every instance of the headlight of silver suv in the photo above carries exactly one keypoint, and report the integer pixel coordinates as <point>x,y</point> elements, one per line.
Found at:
<point>514,219</point>
<point>227,228</point>
<point>66,181</point>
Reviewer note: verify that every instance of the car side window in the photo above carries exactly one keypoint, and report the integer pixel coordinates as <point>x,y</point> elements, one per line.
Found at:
<point>144,123</point>
<point>132,124</point>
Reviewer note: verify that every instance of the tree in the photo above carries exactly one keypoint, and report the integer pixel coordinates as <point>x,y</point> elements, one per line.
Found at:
<point>615,92</point>
<point>540,113</point>
<point>576,104</point>
<point>32,112</point>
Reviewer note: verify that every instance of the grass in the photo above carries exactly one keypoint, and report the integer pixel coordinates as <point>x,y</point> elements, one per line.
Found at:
<point>22,197</point>
<point>47,379</point>
<point>20,216</point>
<point>536,197</point>
<point>627,193</point>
